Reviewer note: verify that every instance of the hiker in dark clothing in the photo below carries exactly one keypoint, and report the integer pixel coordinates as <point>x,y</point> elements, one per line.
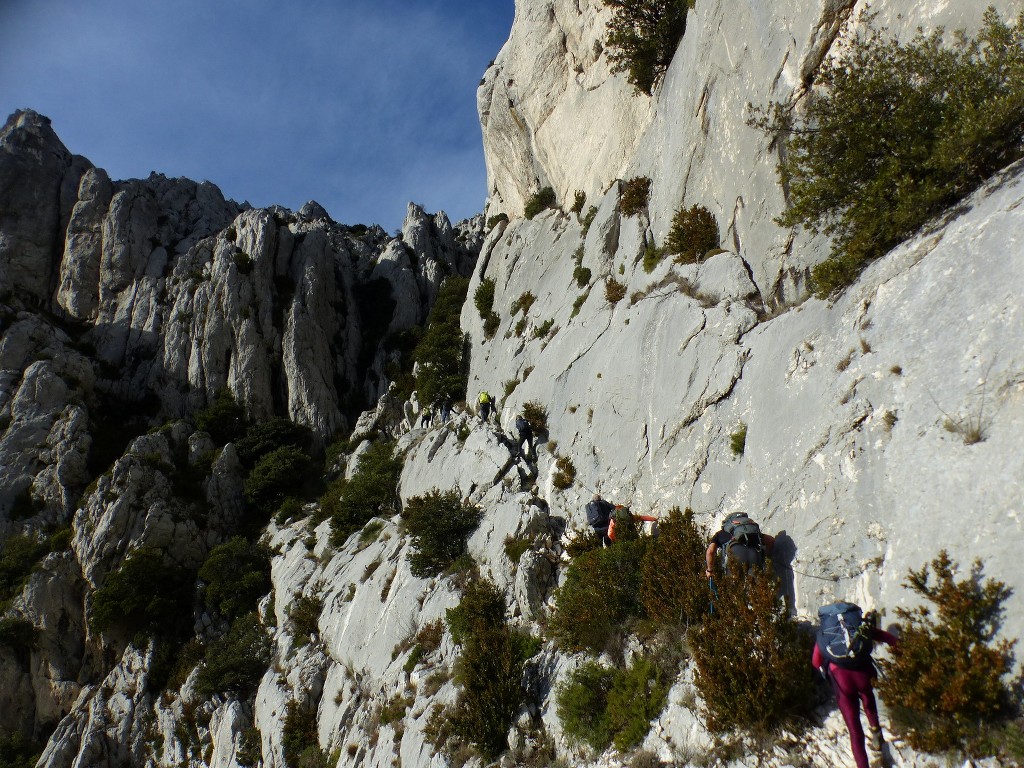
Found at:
<point>741,540</point>
<point>852,683</point>
<point>525,435</point>
<point>446,410</point>
<point>599,515</point>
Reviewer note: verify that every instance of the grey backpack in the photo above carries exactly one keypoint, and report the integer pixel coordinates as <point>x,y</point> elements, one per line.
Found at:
<point>745,533</point>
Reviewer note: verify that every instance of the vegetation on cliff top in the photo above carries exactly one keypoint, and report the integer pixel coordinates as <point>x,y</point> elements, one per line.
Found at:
<point>895,134</point>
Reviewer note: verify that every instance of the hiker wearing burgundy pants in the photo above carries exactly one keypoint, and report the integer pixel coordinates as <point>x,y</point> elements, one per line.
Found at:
<point>852,687</point>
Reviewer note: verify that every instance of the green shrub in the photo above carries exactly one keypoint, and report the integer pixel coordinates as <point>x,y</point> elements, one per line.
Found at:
<point>299,733</point>
<point>276,476</point>
<point>224,418</point>
<point>536,415</point>
<point>582,703</point>
<point>614,291</point>
<point>577,305</point>
<point>581,275</point>
<point>304,617</point>
<point>237,575</point>
<point>588,220</point>
<point>751,659</point>
<point>17,751</point>
<point>264,437</point>
<point>439,524</point>
<point>290,509</point>
<point>944,706</point>
<point>236,663</point>
<point>599,598</point>
<point>19,556</point>
<point>642,38</point>
<point>565,473</point>
<point>652,257</point>
<point>637,696</point>
<point>897,133</point>
<point>489,673</point>
<point>579,200</point>
<point>540,201</point>
<point>482,605</point>
<point>250,748</point>
<point>442,353</point>
<point>516,548</point>
<point>524,302</point>
<point>634,196</point>
<point>484,300</point>
<point>144,594</point>
<point>542,330</point>
<point>598,706</point>
<point>372,492</point>
<point>674,591</point>
<point>738,440</point>
<point>493,221</point>
<point>693,233</point>
<point>60,539</point>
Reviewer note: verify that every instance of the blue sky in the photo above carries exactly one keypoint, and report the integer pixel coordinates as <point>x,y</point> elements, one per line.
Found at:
<point>361,105</point>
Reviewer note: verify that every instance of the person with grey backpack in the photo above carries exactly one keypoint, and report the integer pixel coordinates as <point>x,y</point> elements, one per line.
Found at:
<point>739,540</point>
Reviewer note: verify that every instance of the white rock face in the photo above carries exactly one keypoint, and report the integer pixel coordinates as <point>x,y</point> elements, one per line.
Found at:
<point>845,404</point>
<point>856,411</point>
<point>553,115</point>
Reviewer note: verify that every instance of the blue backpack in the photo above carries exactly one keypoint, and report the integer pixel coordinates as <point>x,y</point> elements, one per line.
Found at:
<point>844,635</point>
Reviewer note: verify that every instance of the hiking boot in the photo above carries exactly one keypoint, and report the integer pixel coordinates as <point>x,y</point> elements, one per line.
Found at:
<point>875,740</point>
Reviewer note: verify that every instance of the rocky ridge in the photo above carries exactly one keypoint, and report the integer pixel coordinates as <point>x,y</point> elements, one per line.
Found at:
<point>852,409</point>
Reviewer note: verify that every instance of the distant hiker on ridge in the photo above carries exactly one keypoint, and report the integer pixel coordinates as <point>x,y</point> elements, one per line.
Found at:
<point>842,653</point>
<point>740,539</point>
<point>599,515</point>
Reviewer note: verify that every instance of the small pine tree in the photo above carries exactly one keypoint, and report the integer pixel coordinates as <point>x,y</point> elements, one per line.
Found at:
<point>947,677</point>
<point>694,232</point>
<point>643,36</point>
<point>673,588</point>
<point>371,492</point>
<point>442,352</point>
<point>635,194</point>
<point>753,664</point>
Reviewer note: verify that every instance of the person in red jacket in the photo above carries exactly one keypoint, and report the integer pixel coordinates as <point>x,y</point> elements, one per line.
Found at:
<point>853,686</point>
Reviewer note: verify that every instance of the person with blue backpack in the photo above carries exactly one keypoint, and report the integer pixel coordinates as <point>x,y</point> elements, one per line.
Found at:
<point>599,516</point>
<point>842,653</point>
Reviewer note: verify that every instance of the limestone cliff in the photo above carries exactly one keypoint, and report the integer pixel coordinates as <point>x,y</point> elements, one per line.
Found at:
<point>126,306</point>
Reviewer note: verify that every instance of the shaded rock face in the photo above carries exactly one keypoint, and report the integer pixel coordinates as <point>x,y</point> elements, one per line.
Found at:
<point>124,307</point>
<point>39,181</point>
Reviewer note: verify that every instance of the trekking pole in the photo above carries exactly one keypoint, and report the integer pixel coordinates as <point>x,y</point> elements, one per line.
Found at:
<point>714,595</point>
